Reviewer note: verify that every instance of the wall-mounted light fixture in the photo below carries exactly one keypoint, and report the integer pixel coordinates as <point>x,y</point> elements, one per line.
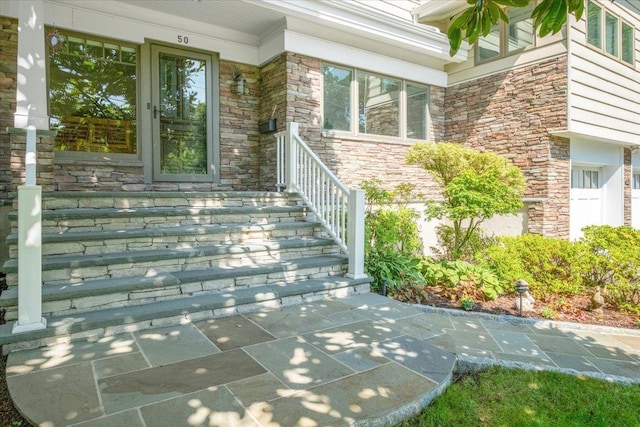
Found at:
<point>240,82</point>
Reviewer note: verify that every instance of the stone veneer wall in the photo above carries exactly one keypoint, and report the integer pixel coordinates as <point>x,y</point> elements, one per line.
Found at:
<point>353,159</point>
<point>239,136</point>
<point>8,75</point>
<point>273,104</point>
<point>513,113</point>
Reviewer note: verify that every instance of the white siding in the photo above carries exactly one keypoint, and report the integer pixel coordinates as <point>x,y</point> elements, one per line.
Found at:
<point>604,93</point>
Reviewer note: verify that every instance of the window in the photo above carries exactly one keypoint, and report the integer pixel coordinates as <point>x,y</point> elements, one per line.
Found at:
<point>378,105</point>
<point>617,39</point>
<point>92,94</point>
<point>585,178</point>
<point>505,39</point>
<point>636,181</point>
<point>385,106</point>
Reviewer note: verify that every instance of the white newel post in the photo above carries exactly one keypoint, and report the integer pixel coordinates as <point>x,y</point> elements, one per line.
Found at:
<point>31,107</point>
<point>291,157</point>
<point>355,234</point>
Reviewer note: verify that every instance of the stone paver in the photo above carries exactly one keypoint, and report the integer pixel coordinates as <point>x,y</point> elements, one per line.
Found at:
<point>361,359</point>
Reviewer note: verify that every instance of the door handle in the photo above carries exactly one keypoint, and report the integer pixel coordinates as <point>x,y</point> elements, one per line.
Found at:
<point>156,110</point>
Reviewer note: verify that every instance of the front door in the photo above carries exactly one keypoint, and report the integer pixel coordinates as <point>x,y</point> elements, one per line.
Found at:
<point>183,115</point>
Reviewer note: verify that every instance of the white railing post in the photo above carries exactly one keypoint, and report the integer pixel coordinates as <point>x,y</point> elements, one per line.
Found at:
<point>291,157</point>
<point>30,241</point>
<point>355,234</point>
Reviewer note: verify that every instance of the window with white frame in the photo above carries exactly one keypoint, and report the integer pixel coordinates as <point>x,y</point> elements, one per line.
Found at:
<point>507,38</point>
<point>610,34</point>
<point>585,178</point>
<point>383,105</point>
<point>636,181</point>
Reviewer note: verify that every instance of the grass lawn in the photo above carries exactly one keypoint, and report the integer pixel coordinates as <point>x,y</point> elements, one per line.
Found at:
<point>505,397</point>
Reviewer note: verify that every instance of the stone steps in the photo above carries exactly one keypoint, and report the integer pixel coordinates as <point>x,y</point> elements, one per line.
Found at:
<point>70,298</point>
<point>104,252</point>
<point>98,242</point>
<point>110,321</point>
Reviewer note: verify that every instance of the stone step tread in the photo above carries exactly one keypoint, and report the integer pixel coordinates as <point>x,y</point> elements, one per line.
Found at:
<point>169,211</point>
<point>91,288</point>
<point>112,317</point>
<point>55,262</point>
<point>245,195</point>
<point>150,232</point>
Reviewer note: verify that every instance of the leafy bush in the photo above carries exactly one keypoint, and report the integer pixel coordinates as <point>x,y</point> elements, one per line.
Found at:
<point>396,268</point>
<point>614,264</point>
<point>475,243</point>
<point>551,266</point>
<point>390,225</point>
<point>461,279</point>
<point>392,241</point>
<point>475,185</point>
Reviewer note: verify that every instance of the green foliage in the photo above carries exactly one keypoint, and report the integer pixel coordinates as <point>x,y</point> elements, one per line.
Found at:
<point>551,266</point>
<point>549,16</point>
<point>606,256</point>
<point>614,263</point>
<point>476,186</point>
<point>396,268</point>
<point>467,303</point>
<point>461,279</point>
<point>390,226</point>
<point>548,313</point>
<point>392,239</point>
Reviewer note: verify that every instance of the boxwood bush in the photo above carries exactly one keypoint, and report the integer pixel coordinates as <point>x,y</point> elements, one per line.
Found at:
<point>606,256</point>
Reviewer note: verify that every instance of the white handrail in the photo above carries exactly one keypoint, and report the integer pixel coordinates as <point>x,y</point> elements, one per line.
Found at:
<point>339,209</point>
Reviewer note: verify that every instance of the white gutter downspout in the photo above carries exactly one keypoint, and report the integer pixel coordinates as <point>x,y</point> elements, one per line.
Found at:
<point>31,99</point>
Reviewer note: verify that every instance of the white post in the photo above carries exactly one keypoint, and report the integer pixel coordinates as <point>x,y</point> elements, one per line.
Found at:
<point>29,260</point>
<point>355,234</point>
<point>31,83</point>
<point>291,157</point>
<point>31,107</point>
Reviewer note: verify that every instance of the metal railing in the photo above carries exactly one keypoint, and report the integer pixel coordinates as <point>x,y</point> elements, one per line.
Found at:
<point>339,209</point>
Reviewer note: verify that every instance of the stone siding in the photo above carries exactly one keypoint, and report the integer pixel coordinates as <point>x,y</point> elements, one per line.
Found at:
<point>239,136</point>
<point>8,86</point>
<point>513,114</point>
<point>273,104</point>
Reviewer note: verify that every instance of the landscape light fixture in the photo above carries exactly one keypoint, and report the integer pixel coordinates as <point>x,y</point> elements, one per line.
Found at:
<point>522,287</point>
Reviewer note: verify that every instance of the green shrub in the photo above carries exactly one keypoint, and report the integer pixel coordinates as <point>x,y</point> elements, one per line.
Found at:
<point>396,268</point>
<point>476,242</point>
<point>475,186</point>
<point>389,224</point>
<point>614,264</point>
<point>551,266</point>
<point>461,279</point>
<point>393,246</point>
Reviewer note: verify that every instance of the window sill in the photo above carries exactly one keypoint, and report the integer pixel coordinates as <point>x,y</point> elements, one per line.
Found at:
<point>66,157</point>
<point>370,138</point>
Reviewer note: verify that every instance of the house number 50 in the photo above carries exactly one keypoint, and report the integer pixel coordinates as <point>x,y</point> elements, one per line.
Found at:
<point>183,39</point>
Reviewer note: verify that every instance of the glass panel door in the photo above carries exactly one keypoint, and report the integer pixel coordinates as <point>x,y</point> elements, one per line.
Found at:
<point>182,115</point>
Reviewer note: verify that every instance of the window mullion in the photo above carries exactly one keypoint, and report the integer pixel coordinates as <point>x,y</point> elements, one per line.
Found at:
<point>355,111</point>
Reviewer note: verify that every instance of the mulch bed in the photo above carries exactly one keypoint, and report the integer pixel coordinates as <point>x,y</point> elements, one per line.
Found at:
<point>575,309</point>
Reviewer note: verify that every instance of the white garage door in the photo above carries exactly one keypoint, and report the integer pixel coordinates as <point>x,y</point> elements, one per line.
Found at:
<point>635,200</point>
<point>586,199</point>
